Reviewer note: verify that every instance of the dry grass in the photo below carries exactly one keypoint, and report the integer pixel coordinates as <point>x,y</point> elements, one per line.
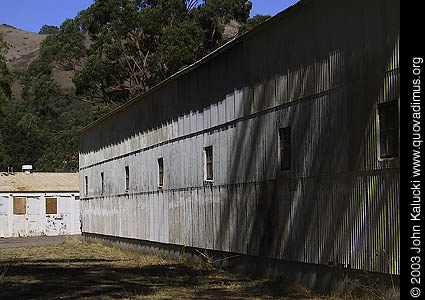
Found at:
<point>81,270</point>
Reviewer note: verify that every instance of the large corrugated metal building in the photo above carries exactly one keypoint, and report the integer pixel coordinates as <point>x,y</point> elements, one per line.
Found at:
<point>283,143</point>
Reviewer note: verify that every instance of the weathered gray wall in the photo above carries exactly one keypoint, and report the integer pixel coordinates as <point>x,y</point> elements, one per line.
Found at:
<point>321,67</point>
<point>36,222</point>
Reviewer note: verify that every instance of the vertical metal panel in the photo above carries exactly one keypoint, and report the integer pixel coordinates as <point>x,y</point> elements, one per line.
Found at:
<point>230,107</point>
<point>311,215</point>
<point>181,222</point>
<point>214,114</point>
<point>204,219</point>
<point>210,217</point>
<point>258,101</point>
<point>321,69</point>
<point>307,81</point>
<point>358,219</point>
<point>294,84</point>
<point>334,205</point>
<point>393,228</point>
<point>207,117</point>
<point>214,193</point>
<point>237,164</point>
<point>252,228</point>
<point>220,152</point>
<point>336,69</point>
<point>174,214</point>
<point>281,88</point>
<point>248,99</point>
<point>188,217</point>
<point>239,104</point>
<point>199,120</point>
<point>271,146</point>
<point>243,221</point>
<point>270,93</point>
<point>197,198</point>
<point>283,224</point>
<point>225,209</point>
<point>233,218</point>
<point>221,110</point>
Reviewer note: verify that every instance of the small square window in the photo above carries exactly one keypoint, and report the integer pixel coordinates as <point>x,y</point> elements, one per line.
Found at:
<point>208,167</point>
<point>160,172</point>
<point>285,148</point>
<point>388,129</point>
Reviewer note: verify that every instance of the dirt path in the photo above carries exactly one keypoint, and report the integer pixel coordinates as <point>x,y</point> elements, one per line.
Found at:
<point>34,241</point>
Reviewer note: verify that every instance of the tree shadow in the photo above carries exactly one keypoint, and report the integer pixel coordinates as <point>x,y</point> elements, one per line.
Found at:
<point>93,279</point>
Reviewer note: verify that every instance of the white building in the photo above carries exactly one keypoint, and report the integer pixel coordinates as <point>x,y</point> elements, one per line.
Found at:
<point>35,204</point>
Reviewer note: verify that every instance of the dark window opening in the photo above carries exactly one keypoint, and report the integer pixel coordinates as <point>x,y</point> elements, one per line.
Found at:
<point>208,163</point>
<point>102,187</point>
<point>160,172</point>
<point>285,148</point>
<point>388,129</point>
<point>87,185</point>
<point>127,178</point>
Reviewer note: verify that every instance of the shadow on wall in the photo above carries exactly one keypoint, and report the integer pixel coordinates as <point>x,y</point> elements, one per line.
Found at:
<point>338,203</point>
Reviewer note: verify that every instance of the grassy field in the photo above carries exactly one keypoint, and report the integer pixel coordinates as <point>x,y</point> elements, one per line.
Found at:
<point>81,270</point>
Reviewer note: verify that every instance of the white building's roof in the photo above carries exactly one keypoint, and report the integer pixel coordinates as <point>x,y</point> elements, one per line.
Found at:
<point>39,182</point>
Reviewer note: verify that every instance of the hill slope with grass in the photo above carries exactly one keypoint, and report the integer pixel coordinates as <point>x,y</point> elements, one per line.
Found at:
<point>24,47</point>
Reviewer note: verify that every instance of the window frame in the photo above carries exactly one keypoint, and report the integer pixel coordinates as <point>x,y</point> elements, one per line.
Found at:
<point>86,184</point>
<point>388,131</point>
<point>209,164</point>
<point>127,179</point>
<point>102,183</point>
<point>160,172</point>
<point>285,148</point>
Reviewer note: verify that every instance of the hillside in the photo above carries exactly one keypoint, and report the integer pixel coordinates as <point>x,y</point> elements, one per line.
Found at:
<point>24,46</point>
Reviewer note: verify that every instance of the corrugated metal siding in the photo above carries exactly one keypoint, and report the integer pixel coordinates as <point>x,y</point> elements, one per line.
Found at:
<point>339,202</point>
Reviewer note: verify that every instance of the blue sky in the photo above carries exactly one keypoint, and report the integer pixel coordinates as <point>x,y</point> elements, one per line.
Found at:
<point>32,14</point>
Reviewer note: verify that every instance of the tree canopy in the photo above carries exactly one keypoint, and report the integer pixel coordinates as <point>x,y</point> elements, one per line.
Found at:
<point>6,76</point>
<point>118,48</point>
<point>115,49</point>
<point>48,29</point>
